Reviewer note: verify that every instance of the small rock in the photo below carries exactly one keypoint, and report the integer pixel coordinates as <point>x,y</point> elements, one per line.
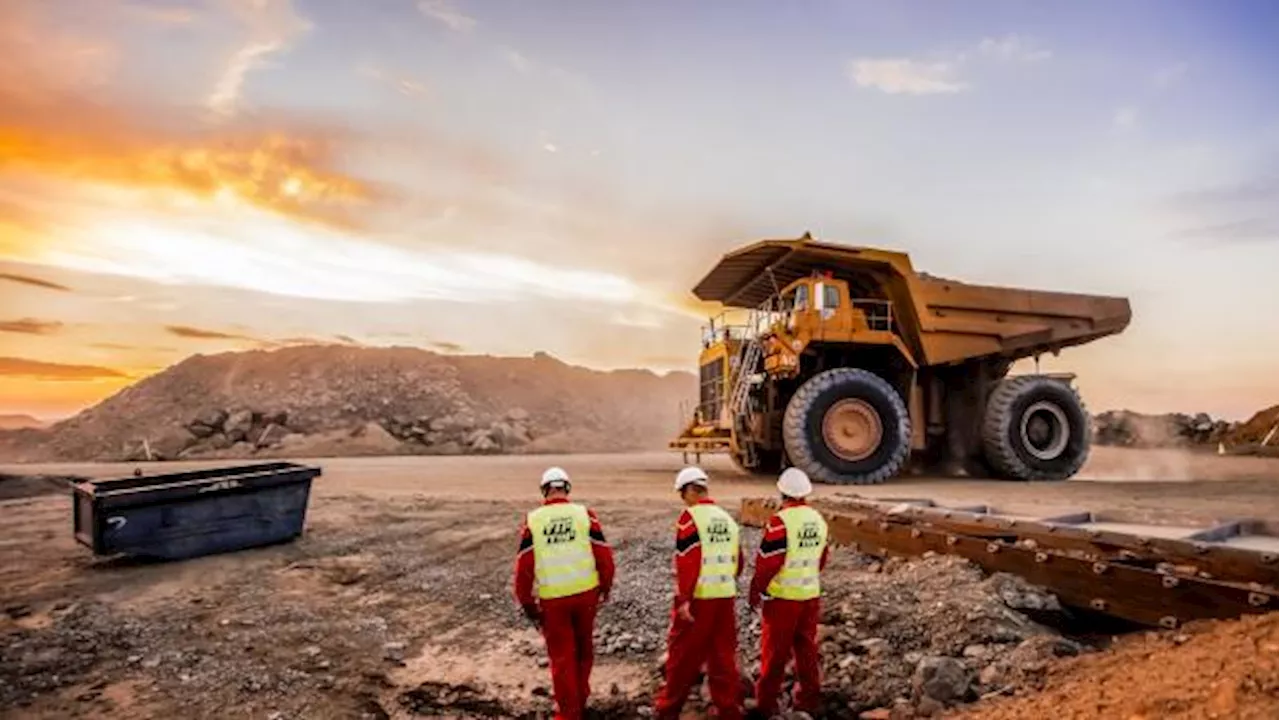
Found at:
<point>876,714</point>
<point>973,651</point>
<point>542,662</point>
<point>929,707</point>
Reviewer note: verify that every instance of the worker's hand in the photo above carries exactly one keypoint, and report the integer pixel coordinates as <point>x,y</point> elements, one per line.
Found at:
<point>604,597</point>
<point>534,614</point>
<point>685,611</point>
<point>753,602</point>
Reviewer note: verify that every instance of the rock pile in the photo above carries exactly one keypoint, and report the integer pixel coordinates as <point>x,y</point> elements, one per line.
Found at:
<point>1257,429</point>
<point>331,398</point>
<point>1129,429</point>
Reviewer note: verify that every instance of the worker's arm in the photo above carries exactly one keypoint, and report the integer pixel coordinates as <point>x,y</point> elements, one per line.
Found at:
<point>525,572</point>
<point>742,561</point>
<point>603,554</point>
<point>769,559</point>
<point>688,558</point>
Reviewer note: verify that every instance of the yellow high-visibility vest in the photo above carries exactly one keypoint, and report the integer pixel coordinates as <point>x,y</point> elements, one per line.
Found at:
<point>562,558</point>
<point>718,536</point>
<point>806,539</point>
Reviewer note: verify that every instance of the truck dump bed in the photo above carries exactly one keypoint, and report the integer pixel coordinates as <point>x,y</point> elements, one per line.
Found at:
<point>940,320</point>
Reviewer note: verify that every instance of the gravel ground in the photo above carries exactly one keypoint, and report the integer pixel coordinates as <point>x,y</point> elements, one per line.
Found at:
<point>398,604</point>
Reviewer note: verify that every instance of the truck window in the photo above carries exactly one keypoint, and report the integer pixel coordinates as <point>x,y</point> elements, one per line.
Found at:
<point>830,297</point>
<point>802,298</point>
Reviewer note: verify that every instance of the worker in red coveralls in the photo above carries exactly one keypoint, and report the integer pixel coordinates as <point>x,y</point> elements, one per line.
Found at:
<point>563,549</point>
<point>708,562</point>
<point>793,552</point>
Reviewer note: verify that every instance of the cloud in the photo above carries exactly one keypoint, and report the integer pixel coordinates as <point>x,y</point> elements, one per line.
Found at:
<point>287,171</point>
<point>44,61</point>
<point>898,76</point>
<point>159,14</point>
<point>941,73</point>
<point>272,26</point>
<point>1246,211</point>
<point>402,84</point>
<point>194,333</point>
<point>447,13</point>
<point>30,326</point>
<point>1013,47</point>
<point>1125,118</point>
<point>1250,229</point>
<point>38,370</point>
<point>518,61</point>
<point>34,282</point>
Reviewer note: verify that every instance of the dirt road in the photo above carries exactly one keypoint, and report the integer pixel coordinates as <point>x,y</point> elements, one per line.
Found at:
<point>403,578</point>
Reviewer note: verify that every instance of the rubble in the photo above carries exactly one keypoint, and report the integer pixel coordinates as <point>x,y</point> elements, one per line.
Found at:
<point>1130,429</point>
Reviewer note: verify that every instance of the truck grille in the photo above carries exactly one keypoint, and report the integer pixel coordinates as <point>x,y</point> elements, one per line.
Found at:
<point>711,390</point>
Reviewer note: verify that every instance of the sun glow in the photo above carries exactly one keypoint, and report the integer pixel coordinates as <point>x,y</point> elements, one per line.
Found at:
<point>227,242</point>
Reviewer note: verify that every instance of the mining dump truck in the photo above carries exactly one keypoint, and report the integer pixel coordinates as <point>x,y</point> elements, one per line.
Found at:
<point>847,363</point>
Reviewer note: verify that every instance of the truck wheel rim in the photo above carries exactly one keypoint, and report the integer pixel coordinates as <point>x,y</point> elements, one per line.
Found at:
<point>1045,430</point>
<point>852,429</point>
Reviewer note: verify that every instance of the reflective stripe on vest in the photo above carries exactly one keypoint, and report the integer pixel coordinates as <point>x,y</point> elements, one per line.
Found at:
<point>718,538</point>
<point>562,558</point>
<point>806,538</point>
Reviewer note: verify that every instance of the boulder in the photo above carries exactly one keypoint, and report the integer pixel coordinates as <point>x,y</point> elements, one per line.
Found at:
<point>217,441</point>
<point>944,679</point>
<point>211,418</point>
<point>271,435</point>
<point>517,414</point>
<point>170,443</point>
<point>201,430</point>
<point>238,425</point>
<point>374,436</point>
<point>484,444</point>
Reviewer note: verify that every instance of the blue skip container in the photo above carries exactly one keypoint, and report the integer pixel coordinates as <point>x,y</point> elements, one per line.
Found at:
<point>188,514</point>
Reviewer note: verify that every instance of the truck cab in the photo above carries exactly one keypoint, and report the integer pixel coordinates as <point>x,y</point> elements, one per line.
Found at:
<point>820,309</point>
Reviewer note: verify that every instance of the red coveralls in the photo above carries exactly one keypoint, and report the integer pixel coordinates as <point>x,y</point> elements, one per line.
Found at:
<point>786,627</point>
<point>712,637</point>
<point>568,623</point>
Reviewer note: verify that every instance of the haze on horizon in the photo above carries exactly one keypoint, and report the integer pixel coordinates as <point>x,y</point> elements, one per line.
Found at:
<point>504,177</point>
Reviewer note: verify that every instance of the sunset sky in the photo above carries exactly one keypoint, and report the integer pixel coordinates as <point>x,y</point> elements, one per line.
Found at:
<point>503,177</point>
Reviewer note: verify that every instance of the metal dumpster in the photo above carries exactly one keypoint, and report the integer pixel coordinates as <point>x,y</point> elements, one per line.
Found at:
<point>187,514</point>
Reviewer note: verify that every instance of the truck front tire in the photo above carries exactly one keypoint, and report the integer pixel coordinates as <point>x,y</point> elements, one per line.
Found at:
<point>847,426</point>
<point>1035,428</point>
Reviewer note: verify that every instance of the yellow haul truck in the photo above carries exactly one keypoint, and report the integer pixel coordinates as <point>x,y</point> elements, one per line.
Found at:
<point>846,363</point>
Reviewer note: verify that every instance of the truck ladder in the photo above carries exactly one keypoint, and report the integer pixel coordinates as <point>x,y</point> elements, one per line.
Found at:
<point>748,356</point>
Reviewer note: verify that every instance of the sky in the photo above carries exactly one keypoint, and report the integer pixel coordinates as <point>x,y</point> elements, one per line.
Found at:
<point>506,177</point>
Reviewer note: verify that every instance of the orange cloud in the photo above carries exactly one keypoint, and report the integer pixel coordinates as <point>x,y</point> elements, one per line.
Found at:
<point>30,326</point>
<point>39,370</point>
<point>34,282</point>
<point>279,171</point>
<point>195,333</point>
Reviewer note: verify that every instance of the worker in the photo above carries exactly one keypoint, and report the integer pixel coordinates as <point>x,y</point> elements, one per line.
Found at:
<point>563,549</point>
<point>793,552</point>
<point>708,562</point>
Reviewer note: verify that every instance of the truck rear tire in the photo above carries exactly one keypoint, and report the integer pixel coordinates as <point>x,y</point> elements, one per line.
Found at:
<point>1035,428</point>
<point>847,426</point>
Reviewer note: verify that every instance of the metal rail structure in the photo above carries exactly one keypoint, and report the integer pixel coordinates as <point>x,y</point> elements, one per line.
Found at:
<point>1160,575</point>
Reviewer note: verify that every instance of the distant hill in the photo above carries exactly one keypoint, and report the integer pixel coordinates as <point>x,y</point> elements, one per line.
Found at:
<point>333,400</point>
<point>20,422</point>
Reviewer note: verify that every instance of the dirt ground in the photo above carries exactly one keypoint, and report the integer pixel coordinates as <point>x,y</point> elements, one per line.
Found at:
<point>402,580</point>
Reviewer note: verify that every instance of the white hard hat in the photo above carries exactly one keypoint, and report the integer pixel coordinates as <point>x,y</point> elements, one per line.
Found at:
<point>793,482</point>
<point>690,475</point>
<point>554,475</point>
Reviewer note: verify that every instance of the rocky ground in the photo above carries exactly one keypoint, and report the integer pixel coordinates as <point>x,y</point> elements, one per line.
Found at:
<point>315,628</point>
<point>396,603</point>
